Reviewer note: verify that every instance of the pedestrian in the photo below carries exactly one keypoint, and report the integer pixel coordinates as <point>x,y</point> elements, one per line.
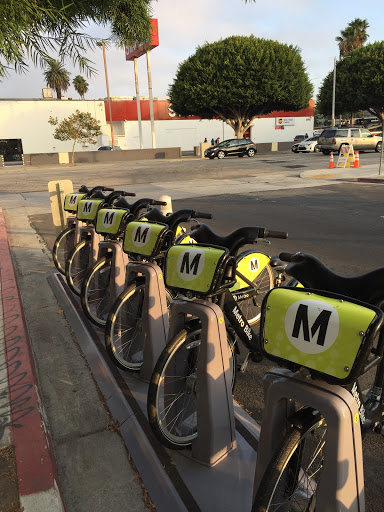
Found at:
<point>217,140</point>
<point>205,140</point>
<point>306,135</point>
<point>212,141</point>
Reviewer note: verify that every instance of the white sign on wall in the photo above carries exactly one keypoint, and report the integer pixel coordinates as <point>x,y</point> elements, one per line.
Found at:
<point>284,121</point>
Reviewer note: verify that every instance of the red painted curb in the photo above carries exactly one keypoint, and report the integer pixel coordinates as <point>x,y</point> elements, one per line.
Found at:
<point>36,464</point>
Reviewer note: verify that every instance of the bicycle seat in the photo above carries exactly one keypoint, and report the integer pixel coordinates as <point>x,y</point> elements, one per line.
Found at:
<point>312,273</point>
<point>203,234</point>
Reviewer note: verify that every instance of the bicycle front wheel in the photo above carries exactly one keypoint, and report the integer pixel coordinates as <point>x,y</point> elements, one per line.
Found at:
<point>124,328</point>
<point>290,481</point>
<point>251,307</point>
<point>95,292</point>
<point>62,247</point>
<point>172,391</point>
<point>77,265</point>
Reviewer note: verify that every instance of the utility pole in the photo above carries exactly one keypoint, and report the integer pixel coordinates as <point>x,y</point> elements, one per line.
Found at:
<point>334,93</point>
<point>138,102</point>
<point>101,43</point>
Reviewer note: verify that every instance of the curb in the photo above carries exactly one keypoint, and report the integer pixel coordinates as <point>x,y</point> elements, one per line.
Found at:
<point>35,460</point>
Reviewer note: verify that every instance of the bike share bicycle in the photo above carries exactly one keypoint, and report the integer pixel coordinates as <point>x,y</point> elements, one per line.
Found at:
<point>84,254</point>
<point>128,324</point>
<point>104,282</point>
<point>327,339</point>
<point>205,275</point>
<point>69,237</point>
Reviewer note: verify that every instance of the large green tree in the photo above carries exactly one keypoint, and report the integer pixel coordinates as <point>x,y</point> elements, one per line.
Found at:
<point>79,127</point>
<point>353,36</point>
<point>38,28</point>
<point>240,78</point>
<point>57,77</point>
<point>359,83</point>
<point>81,85</point>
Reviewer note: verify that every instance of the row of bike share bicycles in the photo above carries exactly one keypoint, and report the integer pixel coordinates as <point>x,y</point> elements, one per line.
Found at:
<point>314,321</point>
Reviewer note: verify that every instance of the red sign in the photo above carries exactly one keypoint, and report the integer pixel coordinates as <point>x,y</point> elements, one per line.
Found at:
<point>132,52</point>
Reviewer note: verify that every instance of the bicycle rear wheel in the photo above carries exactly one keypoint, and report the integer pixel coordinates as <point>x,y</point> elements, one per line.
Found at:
<point>124,328</point>
<point>251,307</point>
<point>290,481</point>
<point>172,390</point>
<point>77,265</point>
<point>95,292</point>
<point>62,247</point>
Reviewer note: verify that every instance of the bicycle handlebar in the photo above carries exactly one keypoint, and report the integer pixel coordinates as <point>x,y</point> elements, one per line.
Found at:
<point>201,215</point>
<point>159,203</point>
<point>274,234</point>
<point>89,192</point>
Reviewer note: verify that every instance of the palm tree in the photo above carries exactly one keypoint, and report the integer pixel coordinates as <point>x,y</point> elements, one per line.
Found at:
<point>353,36</point>
<point>81,85</point>
<point>57,77</point>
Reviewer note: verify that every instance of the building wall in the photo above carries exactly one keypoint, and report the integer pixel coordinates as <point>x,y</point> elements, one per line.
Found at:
<point>28,120</point>
<point>264,129</point>
<point>185,133</point>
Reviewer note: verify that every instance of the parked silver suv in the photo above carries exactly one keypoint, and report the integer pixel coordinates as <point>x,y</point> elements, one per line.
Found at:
<point>333,138</point>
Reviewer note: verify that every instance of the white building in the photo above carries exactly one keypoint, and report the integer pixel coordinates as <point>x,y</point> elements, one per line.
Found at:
<point>24,126</point>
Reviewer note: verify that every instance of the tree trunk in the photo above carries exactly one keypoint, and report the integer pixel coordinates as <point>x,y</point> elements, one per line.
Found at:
<point>58,93</point>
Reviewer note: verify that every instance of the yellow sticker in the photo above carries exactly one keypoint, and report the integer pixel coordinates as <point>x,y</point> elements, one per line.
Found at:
<point>160,276</point>
<point>221,320</point>
<point>356,418</point>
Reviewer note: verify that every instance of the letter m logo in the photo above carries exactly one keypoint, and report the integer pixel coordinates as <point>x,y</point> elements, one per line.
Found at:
<point>320,325</point>
<point>141,236</point>
<point>87,207</point>
<point>187,266</point>
<point>109,218</point>
<point>72,200</point>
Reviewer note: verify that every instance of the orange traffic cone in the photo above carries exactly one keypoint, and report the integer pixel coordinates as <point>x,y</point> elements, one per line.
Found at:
<point>357,160</point>
<point>331,162</point>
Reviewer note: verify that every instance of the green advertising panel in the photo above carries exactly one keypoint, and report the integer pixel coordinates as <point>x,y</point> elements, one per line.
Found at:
<point>110,221</point>
<point>143,237</point>
<point>321,333</point>
<point>193,267</point>
<point>71,202</point>
<point>88,208</point>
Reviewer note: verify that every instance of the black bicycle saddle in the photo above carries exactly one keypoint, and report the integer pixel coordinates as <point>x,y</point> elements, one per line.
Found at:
<point>312,273</point>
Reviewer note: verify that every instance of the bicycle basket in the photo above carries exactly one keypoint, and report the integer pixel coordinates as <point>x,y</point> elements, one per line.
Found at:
<point>144,238</point>
<point>88,208</point>
<point>111,221</point>
<point>71,202</point>
<point>329,334</point>
<point>195,267</point>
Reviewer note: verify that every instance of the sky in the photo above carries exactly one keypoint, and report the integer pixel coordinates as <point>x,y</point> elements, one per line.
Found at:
<point>186,24</point>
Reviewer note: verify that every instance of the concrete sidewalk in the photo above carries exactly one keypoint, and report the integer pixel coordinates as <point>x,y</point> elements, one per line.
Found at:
<point>368,174</point>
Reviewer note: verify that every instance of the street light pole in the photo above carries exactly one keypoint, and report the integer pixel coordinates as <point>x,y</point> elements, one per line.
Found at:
<point>334,92</point>
<point>101,43</point>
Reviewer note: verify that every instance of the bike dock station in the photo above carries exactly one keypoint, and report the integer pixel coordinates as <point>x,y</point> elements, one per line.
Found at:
<point>218,473</point>
<point>342,484</point>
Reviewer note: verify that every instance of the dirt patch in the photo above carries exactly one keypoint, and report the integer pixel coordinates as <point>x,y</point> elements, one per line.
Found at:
<point>9,491</point>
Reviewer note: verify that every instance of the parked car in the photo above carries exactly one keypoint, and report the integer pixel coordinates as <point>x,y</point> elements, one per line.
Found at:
<point>108,148</point>
<point>299,138</point>
<point>232,147</point>
<point>307,145</point>
<point>362,139</point>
